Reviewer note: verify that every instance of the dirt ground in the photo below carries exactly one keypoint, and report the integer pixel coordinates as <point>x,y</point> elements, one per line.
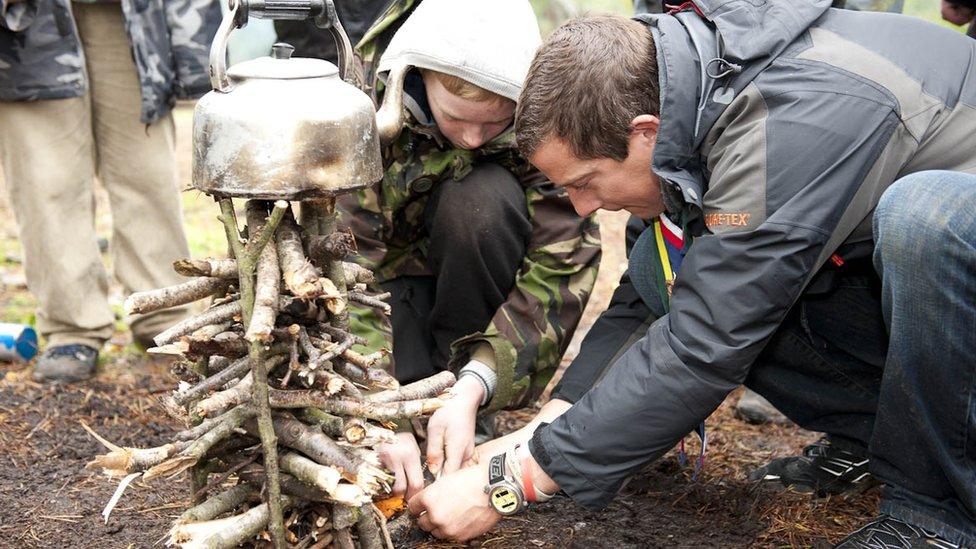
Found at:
<point>48,498</point>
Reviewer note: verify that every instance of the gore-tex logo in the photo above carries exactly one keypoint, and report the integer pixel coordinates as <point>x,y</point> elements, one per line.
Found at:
<point>727,219</point>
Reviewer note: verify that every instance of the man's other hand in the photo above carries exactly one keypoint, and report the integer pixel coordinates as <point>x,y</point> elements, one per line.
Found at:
<point>450,431</point>
<point>403,459</point>
<point>456,506</point>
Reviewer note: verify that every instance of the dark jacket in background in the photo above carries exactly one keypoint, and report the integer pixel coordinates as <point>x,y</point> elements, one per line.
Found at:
<point>41,56</point>
<point>310,41</point>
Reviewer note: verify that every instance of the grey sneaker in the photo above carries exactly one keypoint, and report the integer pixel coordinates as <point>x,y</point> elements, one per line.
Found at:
<point>67,363</point>
<point>886,532</point>
<point>756,409</point>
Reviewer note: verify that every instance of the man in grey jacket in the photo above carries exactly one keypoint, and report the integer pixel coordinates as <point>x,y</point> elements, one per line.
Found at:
<point>772,147</point>
<point>86,88</point>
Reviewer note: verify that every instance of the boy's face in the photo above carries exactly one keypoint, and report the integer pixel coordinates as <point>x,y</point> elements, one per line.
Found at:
<point>465,123</point>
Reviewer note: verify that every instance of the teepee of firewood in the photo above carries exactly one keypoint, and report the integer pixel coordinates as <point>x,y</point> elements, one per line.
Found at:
<point>282,414</point>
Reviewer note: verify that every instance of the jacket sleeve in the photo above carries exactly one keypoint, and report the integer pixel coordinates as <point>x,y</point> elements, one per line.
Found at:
<point>531,330</point>
<point>625,321</point>
<point>17,16</point>
<point>192,26</point>
<point>735,285</point>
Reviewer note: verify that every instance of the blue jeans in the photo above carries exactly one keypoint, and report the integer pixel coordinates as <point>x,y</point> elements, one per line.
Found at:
<point>891,364</point>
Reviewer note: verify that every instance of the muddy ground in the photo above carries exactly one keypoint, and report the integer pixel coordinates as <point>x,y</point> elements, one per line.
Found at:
<point>48,498</point>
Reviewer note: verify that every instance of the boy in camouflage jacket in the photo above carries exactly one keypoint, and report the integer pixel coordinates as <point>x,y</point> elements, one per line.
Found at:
<point>488,265</point>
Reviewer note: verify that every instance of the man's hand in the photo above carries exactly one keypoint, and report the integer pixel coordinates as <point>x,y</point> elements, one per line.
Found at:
<point>450,431</point>
<point>403,459</point>
<point>957,14</point>
<point>456,506</point>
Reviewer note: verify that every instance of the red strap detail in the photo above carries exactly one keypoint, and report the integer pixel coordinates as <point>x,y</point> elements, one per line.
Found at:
<point>527,487</point>
<point>673,9</point>
<point>836,259</point>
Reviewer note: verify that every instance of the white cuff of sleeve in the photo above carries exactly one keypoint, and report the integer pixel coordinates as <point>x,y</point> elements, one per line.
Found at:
<point>484,374</point>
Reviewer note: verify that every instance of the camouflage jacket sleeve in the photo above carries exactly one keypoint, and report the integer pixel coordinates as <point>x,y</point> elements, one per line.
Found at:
<point>17,16</point>
<point>531,330</point>
<point>192,25</point>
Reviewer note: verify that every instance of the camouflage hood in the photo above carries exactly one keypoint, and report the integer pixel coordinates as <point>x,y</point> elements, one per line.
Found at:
<point>41,56</point>
<point>489,44</point>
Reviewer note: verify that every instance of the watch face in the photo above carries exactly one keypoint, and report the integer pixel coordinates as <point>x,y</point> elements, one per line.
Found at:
<point>504,500</point>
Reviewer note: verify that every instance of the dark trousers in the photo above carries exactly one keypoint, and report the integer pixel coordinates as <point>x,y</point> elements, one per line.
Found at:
<point>478,230</point>
<point>889,362</point>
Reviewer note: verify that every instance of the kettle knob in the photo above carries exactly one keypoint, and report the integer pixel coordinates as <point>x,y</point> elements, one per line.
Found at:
<point>282,50</point>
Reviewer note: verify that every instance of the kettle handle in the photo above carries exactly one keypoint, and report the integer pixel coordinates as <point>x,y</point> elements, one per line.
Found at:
<point>239,11</point>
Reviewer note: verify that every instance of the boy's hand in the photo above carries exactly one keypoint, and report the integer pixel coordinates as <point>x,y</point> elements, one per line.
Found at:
<point>403,459</point>
<point>450,431</point>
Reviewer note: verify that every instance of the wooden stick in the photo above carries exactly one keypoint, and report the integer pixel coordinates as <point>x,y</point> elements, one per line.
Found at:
<point>341,335</point>
<point>218,504</point>
<point>237,369</point>
<point>316,445</point>
<point>171,296</point>
<point>323,477</point>
<point>214,315</point>
<point>198,448</point>
<point>323,214</point>
<point>219,268</point>
<point>425,388</point>
<point>370,301</point>
<point>224,533</point>
<point>385,411</point>
<point>265,297</point>
<point>198,431</point>
<point>231,229</point>
<point>261,234</point>
<point>269,443</point>
<point>368,530</point>
<point>218,402</point>
<point>301,278</point>
<point>231,345</point>
<point>357,274</point>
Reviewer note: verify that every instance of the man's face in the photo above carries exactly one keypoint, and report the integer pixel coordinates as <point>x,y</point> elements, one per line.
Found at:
<point>605,183</point>
<point>465,123</point>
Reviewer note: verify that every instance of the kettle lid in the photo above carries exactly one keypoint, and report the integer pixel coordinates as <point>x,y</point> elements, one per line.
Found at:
<point>282,66</point>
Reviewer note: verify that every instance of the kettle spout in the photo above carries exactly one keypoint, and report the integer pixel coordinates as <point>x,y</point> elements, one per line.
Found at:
<point>390,118</point>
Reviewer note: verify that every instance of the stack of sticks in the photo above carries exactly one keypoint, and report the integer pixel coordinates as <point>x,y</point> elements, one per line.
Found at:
<point>282,415</point>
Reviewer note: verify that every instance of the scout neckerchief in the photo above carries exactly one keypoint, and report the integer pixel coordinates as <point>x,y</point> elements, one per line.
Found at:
<point>671,249</point>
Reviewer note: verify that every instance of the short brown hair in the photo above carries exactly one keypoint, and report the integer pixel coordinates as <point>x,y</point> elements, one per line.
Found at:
<point>462,88</point>
<point>590,78</point>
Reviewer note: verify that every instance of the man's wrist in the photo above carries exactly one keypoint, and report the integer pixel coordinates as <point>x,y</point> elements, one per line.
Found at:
<point>542,482</point>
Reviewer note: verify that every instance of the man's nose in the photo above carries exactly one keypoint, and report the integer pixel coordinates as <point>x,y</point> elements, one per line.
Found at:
<point>583,204</point>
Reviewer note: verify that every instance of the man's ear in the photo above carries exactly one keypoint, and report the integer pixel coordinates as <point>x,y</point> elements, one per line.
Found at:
<point>646,123</point>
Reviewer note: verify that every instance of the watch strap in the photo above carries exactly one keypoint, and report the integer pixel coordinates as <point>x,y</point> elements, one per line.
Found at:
<point>496,469</point>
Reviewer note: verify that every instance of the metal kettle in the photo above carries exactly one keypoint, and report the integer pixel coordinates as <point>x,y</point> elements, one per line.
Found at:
<point>289,128</point>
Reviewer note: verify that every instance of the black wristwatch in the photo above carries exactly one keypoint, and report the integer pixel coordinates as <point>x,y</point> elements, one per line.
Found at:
<point>504,493</point>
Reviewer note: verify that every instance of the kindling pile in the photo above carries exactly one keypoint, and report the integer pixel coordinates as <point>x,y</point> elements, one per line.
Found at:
<point>282,413</point>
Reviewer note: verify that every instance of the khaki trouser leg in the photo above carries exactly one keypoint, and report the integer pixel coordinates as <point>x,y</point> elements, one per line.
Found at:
<point>136,164</point>
<point>46,149</point>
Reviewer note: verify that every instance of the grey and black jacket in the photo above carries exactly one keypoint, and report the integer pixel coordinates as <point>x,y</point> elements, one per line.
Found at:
<point>41,56</point>
<point>782,123</point>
